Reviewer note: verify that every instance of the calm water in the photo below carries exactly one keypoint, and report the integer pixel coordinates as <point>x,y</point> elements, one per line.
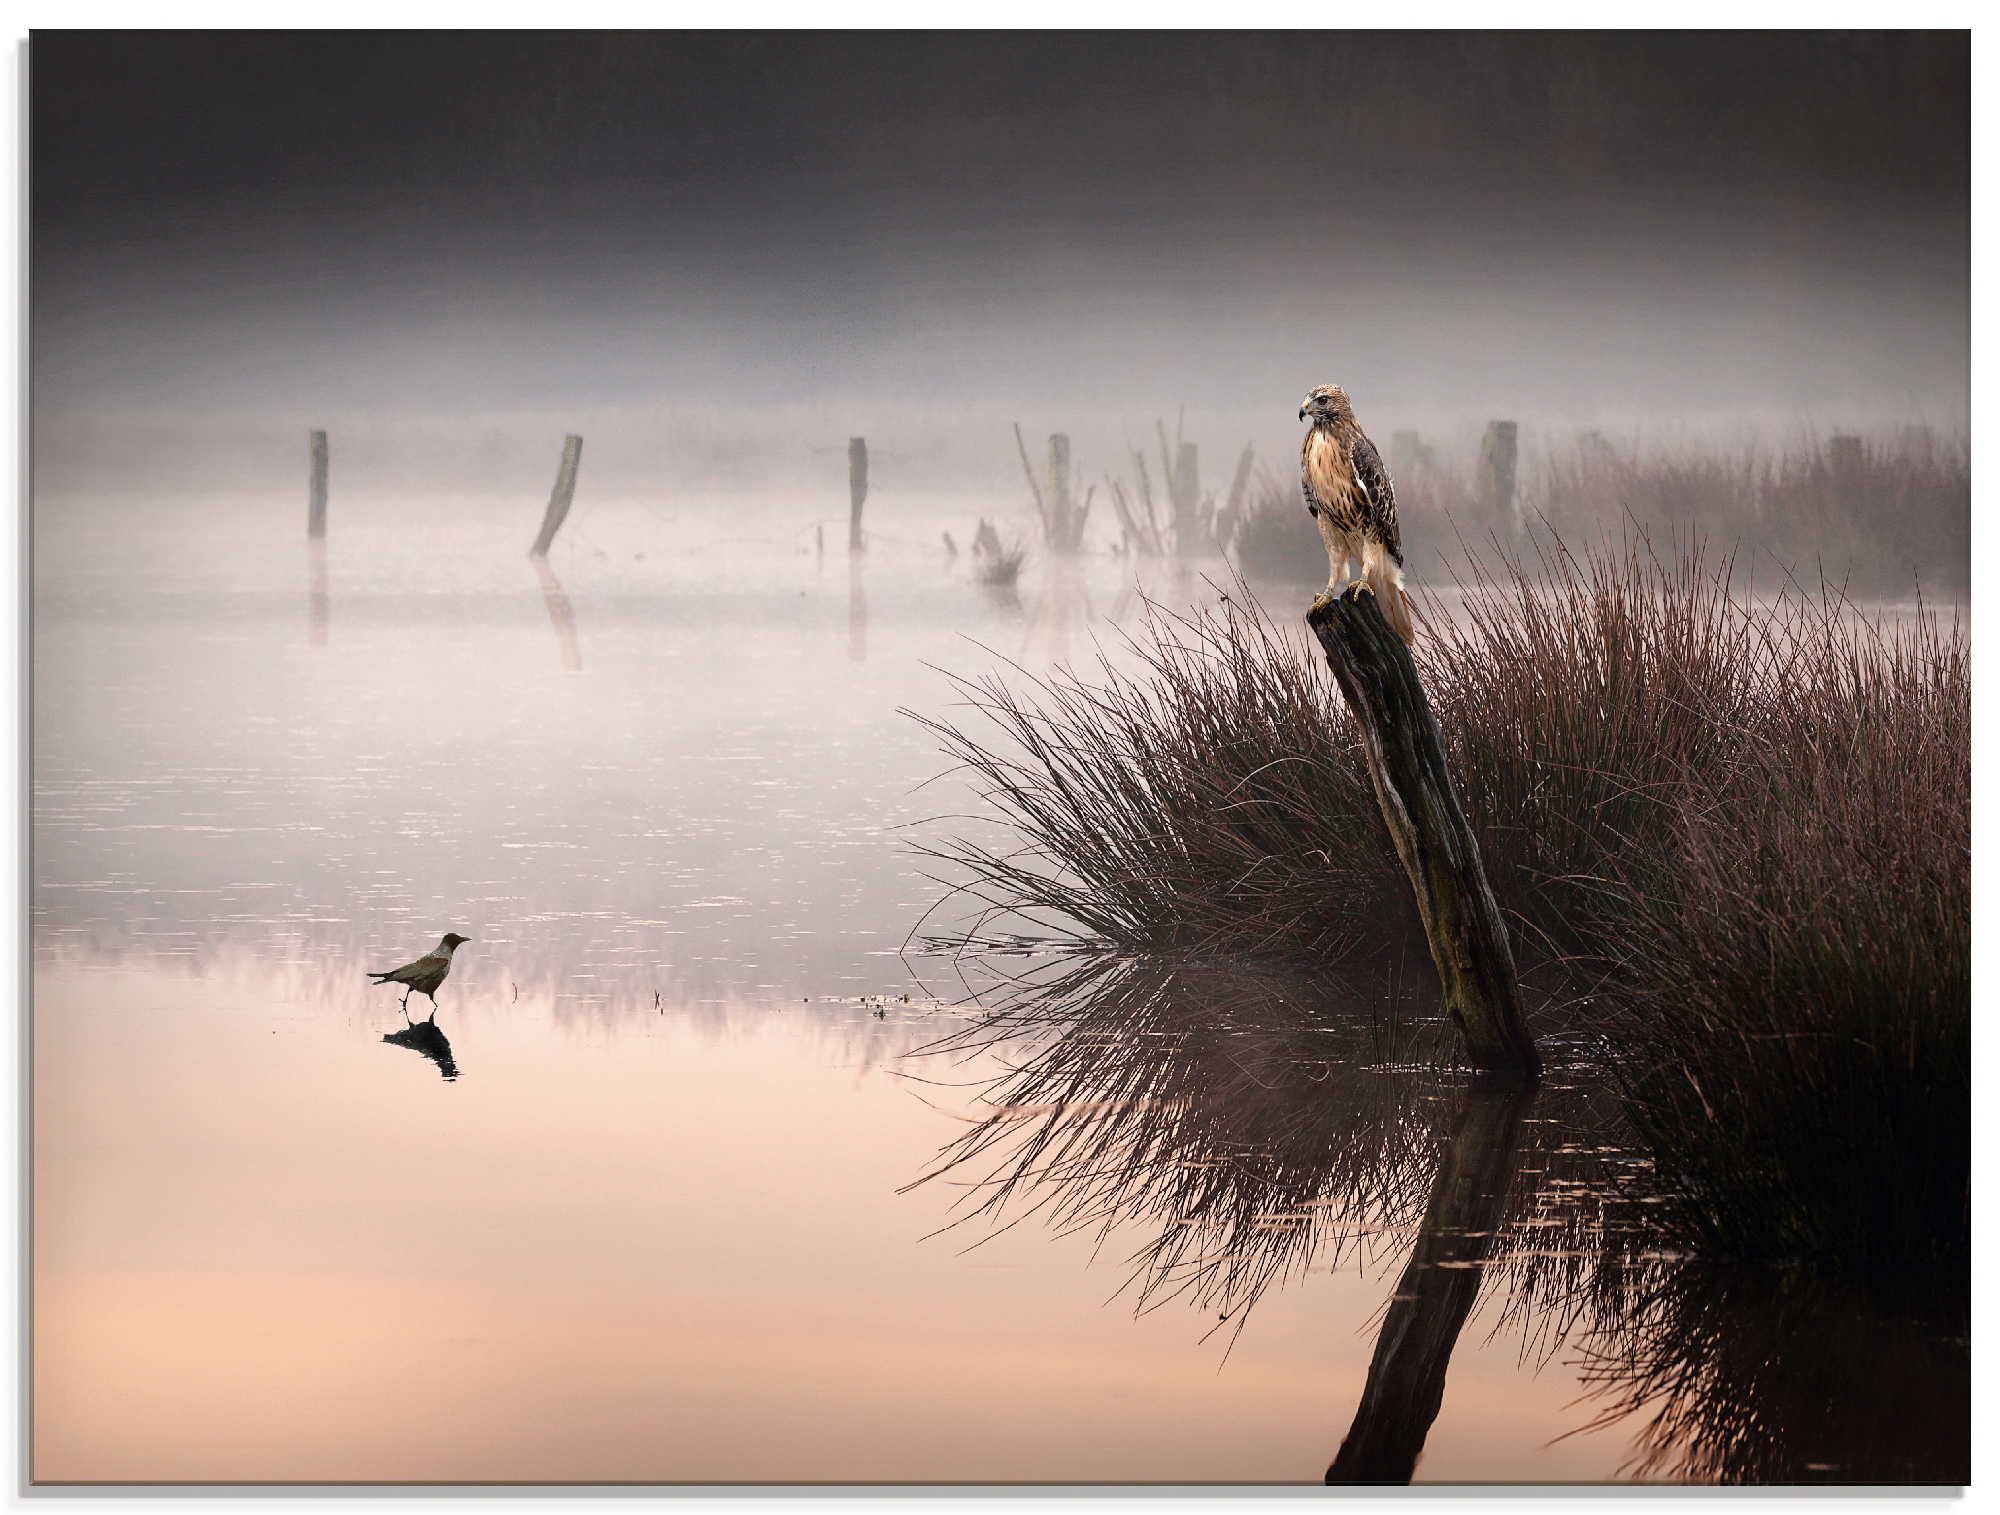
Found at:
<point>643,1203</point>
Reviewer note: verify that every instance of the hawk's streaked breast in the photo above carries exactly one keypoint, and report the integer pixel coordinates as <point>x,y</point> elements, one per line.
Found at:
<point>1330,475</point>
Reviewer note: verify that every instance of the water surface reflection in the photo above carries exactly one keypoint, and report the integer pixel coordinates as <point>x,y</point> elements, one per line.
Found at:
<point>424,1037</point>
<point>1252,1123</point>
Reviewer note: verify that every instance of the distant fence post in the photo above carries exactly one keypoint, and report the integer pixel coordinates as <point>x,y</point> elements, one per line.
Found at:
<point>1193,536</point>
<point>559,497</point>
<point>1230,517</point>
<point>1405,751</point>
<point>1493,484</point>
<point>857,489</point>
<point>1059,533</point>
<point>316,454</point>
<point>1241,482</point>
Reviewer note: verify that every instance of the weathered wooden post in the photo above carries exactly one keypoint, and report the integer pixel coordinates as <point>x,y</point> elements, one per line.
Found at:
<point>1062,538</point>
<point>1468,940</point>
<point>316,511</point>
<point>1184,489</point>
<point>1241,482</point>
<point>1436,1292</point>
<point>1493,484</point>
<point>559,497</point>
<point>1231,515</point>
<point>857,489</point>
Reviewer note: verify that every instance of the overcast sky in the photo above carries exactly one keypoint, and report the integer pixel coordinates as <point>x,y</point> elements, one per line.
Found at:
<point>1669,224</point>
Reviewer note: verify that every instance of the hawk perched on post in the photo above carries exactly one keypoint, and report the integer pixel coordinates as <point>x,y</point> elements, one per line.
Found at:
<point>1348,491</point>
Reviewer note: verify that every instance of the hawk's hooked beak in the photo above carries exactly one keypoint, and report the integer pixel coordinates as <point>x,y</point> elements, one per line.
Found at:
<point>1305,409</point>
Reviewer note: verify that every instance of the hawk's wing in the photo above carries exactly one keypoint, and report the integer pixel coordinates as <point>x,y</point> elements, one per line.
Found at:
<point>1306,489</point>
<point>1380,494</point>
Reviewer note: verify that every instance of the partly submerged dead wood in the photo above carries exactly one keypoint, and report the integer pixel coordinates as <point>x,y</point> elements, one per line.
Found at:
<point>857,489</point>
<point>316,512</point>
<point>559,497</point>
<point>1405,752</point>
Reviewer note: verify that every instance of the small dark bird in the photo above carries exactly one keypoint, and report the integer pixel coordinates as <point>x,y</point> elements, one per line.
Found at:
<point>426,973</point>
<point>1348,492</point>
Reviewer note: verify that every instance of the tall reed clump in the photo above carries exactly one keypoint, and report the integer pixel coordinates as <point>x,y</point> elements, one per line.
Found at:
<point>1793,1023</point>
<point>1211,801</point>
<point>1740,826</point>
<point>1574,700</point>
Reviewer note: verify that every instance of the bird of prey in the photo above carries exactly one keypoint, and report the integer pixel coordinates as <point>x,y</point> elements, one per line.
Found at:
<point>425,974</point>
<point>1348,492</point>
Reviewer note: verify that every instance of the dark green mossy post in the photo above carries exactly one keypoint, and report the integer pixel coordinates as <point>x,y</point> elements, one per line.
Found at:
<point>1436,1292</point>
<point>316,509</point>
<point>1406,760</point>
<point>857,489</point>
<point>559,497</point>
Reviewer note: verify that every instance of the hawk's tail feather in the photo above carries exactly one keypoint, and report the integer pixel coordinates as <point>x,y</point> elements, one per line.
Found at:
<point>1396,608</point>
<point>1385,581</point>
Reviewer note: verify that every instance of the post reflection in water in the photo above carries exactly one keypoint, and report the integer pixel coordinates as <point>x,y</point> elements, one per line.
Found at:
<point>424,1037</point>
<point>1064,605</point>
<point>316,593</point>
<point>857,609</point>
<point>1263,1123</point>
<point>561,616</point>
<point>1435,1294</point>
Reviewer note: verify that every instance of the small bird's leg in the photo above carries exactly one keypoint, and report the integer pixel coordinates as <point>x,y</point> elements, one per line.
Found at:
<point>406,1001</point>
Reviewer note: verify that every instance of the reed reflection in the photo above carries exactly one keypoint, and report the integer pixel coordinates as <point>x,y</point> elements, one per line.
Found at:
<point>1771,1376</point>
<point>1259,1122</point>
<point>424,1038</point>
<point>561,616</point>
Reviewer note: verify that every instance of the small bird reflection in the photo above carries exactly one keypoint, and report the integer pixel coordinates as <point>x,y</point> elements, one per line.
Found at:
<point>423,1036</point>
